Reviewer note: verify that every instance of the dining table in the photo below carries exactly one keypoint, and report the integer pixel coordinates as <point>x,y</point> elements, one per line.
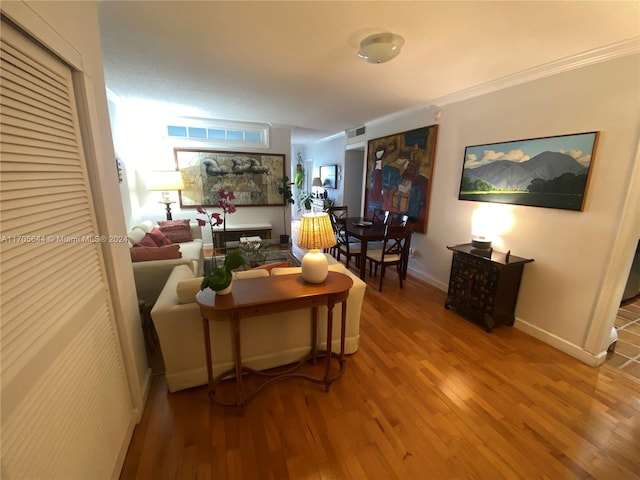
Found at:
<point>365,231</point>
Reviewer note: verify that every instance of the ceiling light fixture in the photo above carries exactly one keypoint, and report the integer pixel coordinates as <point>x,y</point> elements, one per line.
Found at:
<point>380,47</point>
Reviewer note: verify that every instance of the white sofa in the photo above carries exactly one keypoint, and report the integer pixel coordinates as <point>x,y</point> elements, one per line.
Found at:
<point>151,276</point>
<point>268,341</point>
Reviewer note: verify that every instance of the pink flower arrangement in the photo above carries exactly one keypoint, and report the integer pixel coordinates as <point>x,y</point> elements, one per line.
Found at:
<point>225,202</point>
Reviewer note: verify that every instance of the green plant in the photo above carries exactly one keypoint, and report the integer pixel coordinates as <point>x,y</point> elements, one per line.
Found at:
<point>305,199</point>
<point>284,189</point>
<point>328,203</point>
<point>220,278</point>
<point>298,179</point>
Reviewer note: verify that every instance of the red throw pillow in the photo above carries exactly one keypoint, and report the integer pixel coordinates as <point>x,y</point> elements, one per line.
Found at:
<point>159,237</point>
<point>144,254</point>
<point>147,241</point>
<point>176,230</point>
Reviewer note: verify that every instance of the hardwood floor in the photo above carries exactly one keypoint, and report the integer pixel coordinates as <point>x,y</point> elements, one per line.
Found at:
<point>428,395</point>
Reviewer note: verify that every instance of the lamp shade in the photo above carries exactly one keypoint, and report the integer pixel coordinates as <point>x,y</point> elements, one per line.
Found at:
<point>164,181</point>
<point>380,47</point>
<point>317,182</point>
<point>315,233</point>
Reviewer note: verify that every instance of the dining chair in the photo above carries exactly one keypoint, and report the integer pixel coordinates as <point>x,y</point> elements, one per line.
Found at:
<point>344,246</point>
<point>397,219</point>
<point>349,249</point>
<point>380,216</point>
<point>394,251</point>
<point>338,216</point>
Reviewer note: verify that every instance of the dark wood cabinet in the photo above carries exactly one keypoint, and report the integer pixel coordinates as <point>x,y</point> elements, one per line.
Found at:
<point>484,284</point>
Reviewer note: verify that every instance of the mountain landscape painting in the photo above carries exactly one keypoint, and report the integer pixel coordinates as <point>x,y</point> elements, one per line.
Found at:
<point>548,172</point>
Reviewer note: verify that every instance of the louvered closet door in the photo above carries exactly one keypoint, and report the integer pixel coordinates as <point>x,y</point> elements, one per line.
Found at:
<point>65,399</point>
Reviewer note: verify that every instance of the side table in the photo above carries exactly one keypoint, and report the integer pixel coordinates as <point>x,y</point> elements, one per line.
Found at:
<point>253,297</point>
<point>484,284</point>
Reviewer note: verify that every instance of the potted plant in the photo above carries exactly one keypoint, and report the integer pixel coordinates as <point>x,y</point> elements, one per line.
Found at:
<point>305,199</point>
<point>284,189</point>
<point>219,278</point>
<point>299,176</point>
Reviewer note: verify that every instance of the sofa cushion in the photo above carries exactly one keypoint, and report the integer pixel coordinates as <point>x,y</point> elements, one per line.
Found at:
<point>159,237</point>
<point>135,235</point>
<point>146,225</point>
<point>186,290</point>
<point>176,230</point>
<point>338,267</point>
<point>144,254</point>
<point>250,274</point>
<point>147,241</point>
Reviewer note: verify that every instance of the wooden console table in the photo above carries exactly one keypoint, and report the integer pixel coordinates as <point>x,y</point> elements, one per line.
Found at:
<point>254,297</point>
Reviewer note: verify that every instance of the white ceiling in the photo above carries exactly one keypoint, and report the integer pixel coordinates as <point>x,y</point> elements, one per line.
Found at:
<point>295,62</point>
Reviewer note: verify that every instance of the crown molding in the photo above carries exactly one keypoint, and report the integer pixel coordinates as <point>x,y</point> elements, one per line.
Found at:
<point>609,52</point>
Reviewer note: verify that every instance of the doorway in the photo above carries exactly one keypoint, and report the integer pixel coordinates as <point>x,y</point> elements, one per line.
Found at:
<point>625,354</point>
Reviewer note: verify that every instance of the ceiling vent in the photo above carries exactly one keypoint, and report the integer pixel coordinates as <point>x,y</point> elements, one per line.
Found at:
<point>355,132</point>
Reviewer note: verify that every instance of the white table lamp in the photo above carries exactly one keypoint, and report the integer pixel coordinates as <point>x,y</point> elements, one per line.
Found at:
<point>314,235</point>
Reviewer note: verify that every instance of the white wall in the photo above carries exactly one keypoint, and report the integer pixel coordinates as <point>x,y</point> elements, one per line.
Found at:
<point>329,152</point>
<point>560,298</point>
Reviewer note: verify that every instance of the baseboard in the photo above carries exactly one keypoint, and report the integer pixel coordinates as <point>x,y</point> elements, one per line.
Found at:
<point>430,280</point>
<point>145,388</point>
<point>569,348</point>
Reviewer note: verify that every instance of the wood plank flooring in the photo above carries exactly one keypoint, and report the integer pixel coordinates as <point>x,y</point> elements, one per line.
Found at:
<point>428,395</point>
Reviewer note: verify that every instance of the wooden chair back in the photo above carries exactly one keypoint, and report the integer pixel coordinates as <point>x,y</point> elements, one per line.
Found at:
<point>380,216</point>
<point>398,219</point>
<point>395,240</point>
<point>338,216</point>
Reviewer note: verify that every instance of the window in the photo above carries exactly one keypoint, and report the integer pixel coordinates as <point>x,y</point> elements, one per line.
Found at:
<point>256,135</point>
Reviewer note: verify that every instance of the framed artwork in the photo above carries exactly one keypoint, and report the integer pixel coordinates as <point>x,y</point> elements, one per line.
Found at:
<point>400,173</point>
<point>253,177</point>
<point>328,175</point>
<point>550,172</point>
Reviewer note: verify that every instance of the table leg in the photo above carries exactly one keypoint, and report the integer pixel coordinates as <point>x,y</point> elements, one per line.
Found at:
<point>314,333</point>
<point>235,322</point>
<point>207,350</point>
<point>327,370</point>
<point>363,259</point>
<point>343,331</point>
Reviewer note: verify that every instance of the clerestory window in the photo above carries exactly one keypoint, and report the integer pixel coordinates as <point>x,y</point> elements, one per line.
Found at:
<point>255,135</point>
